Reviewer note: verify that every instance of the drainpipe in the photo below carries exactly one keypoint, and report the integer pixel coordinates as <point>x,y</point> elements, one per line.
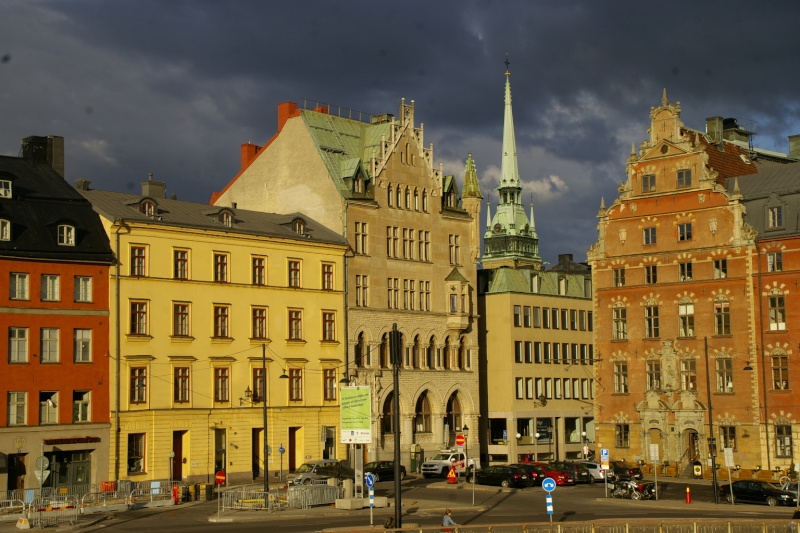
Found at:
<point>119,224</point>
<point>763,359</point>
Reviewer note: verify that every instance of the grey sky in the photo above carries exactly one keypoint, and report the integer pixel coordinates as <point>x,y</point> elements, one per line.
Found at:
<point>174,87</point>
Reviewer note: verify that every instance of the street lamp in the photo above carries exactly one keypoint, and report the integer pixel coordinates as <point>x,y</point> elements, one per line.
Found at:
<point>585,448</point>
<point>535,444</point>
<point>712,441</point>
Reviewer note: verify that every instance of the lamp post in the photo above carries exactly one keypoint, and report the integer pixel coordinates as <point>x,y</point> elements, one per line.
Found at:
<point>712,442</point>
<point>535,444</point>
<point>585,448</point>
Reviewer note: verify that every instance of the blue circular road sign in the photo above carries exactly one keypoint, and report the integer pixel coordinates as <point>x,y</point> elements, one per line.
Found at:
<point>549,484</point>
<point>369,478</point>
<point>282,449</point>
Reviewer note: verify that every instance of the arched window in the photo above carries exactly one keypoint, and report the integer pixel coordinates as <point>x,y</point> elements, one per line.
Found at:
<point>422,415</point>
<point>424,201</point>
<point>415,353</point>
<point>446,363</point>
<point>385,351</point>
<point>387,420</point>
<point>461,363</point>
<point>408,198</point>
<point>358,355</point>
<point>399,196</point>
<point>416,199</point>
<point>390,195</point>
<point>429,353</point>
<point>454,418</point>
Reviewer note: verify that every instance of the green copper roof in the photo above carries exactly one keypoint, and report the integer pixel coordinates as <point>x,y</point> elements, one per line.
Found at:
<point>472,188</point>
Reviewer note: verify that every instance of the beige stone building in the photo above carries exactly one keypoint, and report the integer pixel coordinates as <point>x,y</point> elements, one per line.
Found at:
<point>413,243</point>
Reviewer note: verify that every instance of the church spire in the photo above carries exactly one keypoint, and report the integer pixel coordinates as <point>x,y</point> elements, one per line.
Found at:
<point>509,172</point>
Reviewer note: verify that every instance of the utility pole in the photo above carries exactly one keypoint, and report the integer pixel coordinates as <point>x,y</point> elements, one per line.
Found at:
<point>395,351</point>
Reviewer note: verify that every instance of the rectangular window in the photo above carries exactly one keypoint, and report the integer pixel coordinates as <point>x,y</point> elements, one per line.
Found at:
<point>424,245</point>
<point>649,236</point>
<point>136,453</point>
<point>362,293</point>
<point>138,318</point>
<point>221,268</point>
<point>259,322</point>
<point>259,385</point>
<point>724,375</point>
<point>537,352</point>
<point>180,319</point>
<point>5,230</point>
<point>573,319</point>
<point>520,388</point>
<point>556,353</point>
<point>685,232</point>
<point>294,274</point>
<point>329,384</point>
<point>258,270</point>
<point>619,277</point>
<point>517,351</point>
<point>424,295</point>
<point>546,317</point>
<point>685,271</point>
<point>651,274</point>
<point>728,436</point>
<point>783,441</point>
<point>17,345</point>
<point>686,319</point>
<point>327,277</point>
<point>66,235</point>
<point>295,384</point>
<point>49,345</point>
<point>83,345</point>
<point>775,217</point>
<point>455,249</point>
<point>361,238</point>
<point>777,313</point>
<point>653,375</point>
<point>180,384</point>
<point>688,374</point>
<point>138,261</point>
<point>81,406</point>
<point>328,326</point>
<point>138,392</point>
<point>48,407</point>
<point>622,434</point>
<point>620,323</point>
<point>620,378</point>
<point>684,178</point>
<point>554,314</point>
<point>774,262</point>
<point>649,183</point>
<point>17,408</point>
<point>393,293</point>
<point>780,372</point>
<point>51,288</point>
<point>722,317</point>
<point>83,289</point>
<point>5,189</point>
<point>18,286</point>
<point>528,352</point>
<point>548,357</point>
<point>528,388</point>
<point>221,384</point>
<point>537,317</point>
<point>526,316</point>
<point>221,321</point>
<point>517,316</point>
<point>720,268</point>
<point>180,264</point>
<point>651,324</point>
<point>295,325</point>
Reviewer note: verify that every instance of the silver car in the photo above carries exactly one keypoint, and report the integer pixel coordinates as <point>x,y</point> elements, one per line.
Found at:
<point>595,469</point>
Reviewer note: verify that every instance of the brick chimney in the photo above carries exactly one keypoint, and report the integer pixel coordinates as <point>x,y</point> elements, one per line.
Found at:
<point>794,145</point>
<point>249,152</point>
<point>714,129</point>
<point>48,150</point>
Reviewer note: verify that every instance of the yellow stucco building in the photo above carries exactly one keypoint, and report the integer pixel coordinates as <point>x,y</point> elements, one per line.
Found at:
<point>205,301</point>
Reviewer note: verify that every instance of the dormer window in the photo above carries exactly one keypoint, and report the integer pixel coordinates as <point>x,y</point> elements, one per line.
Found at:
<point>358,185</point>
<point>299,226</point>
<point>66,235</point>
<point>5,189</point>
<point>5,230</point>
<point>226,217</point>
<point>148,208</point>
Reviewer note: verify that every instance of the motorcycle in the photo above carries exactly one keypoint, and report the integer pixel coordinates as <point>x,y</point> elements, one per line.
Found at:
<point>625,489</point>
<point>648,490</point>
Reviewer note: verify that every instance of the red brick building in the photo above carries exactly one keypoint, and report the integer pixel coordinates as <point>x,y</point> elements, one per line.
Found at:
<point>54,263</point>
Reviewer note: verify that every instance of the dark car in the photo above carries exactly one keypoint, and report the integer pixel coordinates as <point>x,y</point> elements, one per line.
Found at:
<point>752,491</point>
<point>503,475</point>
<point>337,469</point>
<point>383,470</point>
<point>559,476</point>
<point>622,471</point>
<point>535,473</point>
<point>579,471</point>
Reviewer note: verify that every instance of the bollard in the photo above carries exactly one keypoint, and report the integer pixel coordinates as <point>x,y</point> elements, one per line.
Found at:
<point>688,495</point>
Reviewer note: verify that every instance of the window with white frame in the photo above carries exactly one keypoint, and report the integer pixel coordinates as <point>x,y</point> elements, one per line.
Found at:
<point>18,286</point>
<point>180,319</point>
<point>83,289</point>
<point>5,189</point>
<point>722,316</point>
<point>620,377</point>
<point>520,388</point>
<point>17,408</point>
<point>688,374</point>
<point>720,268</point>
<point>222,321</point>
<point>259,322</point>
<point>777,312</point>
<point>180,264</point>
<point>724,374</point>
<point>651,321</point>
<point>653,375</point>
<point>775,217</point>
<point>686,318</point>
<point>620,322</point>
<point>50,287</point>
<point>138,318</point>
<point>81,406</point>
<point>780,370</point>
<point>136,453</point>
<point>83,345</point>
<point>138,384</point>
<point>5,230</point>
<point>48,407</point>
<point>221,384</point>
<point>774,261</point>
<point>17,345</point>
<point>49,345</point>
<point>66,235</point>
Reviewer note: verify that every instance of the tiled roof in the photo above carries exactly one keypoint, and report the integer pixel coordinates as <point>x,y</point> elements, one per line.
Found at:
<point>728,160</point>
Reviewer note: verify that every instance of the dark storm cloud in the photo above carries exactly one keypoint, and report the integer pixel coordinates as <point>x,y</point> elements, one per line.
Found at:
<point>175,87</point>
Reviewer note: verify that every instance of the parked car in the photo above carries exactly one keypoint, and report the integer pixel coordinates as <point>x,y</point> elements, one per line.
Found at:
<point>535,473</point>
<point>384,470</point>
<point>595,469</point>
<point>622,471</point>
<point>753,491</point>
<point>441,463</point>
<point>579,471</point>
<point>559,476</point>
<point>308,473</point>
<point>503,475</point>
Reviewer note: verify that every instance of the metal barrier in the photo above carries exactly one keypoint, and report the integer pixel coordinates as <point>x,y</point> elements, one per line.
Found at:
<point>51,511</point>
<point>251,497</point>
<point>152,491</point>
<point>28,495</point>
<point>710,526</point>
<point>8,507</point>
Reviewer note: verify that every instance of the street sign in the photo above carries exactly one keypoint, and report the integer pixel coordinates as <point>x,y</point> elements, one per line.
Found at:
<point>728,457</point>
<point>369,479</point>
<point>549,501</point>
<point>549,484</point>
<point>42,463</point>
<point>220,477</point>
<point>460,440</point>
<point>282,450</point>
<point>654,453</point>
<point>41,475</point>
<point>604,458</point>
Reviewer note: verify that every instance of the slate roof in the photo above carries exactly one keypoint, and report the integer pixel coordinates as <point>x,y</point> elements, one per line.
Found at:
<point>774,184</point>
<point>115,205</point>
<point>41,201</point>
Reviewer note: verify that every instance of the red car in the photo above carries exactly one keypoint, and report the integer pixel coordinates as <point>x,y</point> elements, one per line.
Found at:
<point>560,477</point>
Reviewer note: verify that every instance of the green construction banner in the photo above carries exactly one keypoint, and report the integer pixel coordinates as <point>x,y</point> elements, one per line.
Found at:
<point>356,415</point>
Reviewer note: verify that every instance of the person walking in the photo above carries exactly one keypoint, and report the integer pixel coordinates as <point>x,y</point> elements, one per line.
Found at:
<point>447,520</point>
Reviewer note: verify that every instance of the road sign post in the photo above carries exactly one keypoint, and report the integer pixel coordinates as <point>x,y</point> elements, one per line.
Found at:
<point>219,477</point>
<point>604,465</point>
<point>549,484</point>
<point>369,479</point>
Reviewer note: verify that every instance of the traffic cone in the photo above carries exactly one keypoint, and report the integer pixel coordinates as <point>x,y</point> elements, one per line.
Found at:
<point>688,495</point>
